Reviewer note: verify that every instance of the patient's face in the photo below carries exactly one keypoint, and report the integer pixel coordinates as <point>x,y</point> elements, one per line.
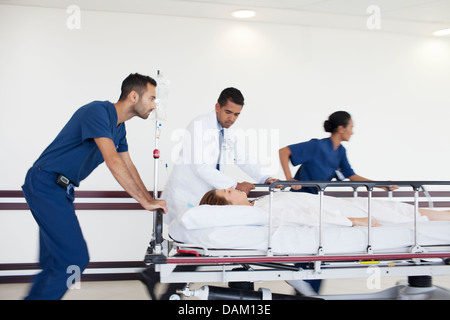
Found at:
<point>233,196</point>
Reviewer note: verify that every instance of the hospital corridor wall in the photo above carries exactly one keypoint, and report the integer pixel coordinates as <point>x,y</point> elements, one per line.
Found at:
<point>394,85</point>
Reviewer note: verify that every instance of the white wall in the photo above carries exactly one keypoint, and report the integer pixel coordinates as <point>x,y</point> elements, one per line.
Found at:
<point>395,87</point>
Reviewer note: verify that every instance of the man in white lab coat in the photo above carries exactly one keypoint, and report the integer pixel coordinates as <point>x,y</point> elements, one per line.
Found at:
<point>208,145</point>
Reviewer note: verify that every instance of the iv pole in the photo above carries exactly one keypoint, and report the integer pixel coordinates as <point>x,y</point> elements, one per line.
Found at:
<point>157,236</point>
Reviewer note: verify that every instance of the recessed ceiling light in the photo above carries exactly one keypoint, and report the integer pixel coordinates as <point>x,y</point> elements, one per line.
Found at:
<point>444,32</point>
<point>243,14</point>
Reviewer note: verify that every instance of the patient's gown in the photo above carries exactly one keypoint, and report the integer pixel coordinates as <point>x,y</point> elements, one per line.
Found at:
<point>294,208</point>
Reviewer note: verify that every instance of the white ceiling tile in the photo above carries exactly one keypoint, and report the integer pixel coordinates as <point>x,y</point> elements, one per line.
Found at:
<point>279,4</point>
<point>359,7</point>
<point>420,17</point>
<point>432,12</point>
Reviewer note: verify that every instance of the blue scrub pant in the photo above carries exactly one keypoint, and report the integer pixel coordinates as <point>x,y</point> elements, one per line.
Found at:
<point>315,284</point>
<point>60,238</point>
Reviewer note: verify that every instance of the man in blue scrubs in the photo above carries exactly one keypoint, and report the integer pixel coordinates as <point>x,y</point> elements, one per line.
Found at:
<point>95,134</point>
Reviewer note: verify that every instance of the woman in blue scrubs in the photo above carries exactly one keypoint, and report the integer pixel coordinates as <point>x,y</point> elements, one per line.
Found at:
<point>321,159</point>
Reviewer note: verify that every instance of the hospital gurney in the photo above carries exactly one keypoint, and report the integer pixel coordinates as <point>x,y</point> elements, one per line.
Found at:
<point>418,257</point>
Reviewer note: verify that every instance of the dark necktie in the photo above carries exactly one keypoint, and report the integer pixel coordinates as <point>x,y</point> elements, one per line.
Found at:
<point>220,148</point>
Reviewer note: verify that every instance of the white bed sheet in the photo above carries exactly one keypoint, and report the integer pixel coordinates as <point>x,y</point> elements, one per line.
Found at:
<point>290,240</point>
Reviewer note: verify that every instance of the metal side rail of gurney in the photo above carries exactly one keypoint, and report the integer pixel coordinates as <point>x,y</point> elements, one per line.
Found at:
<point>419,264</point>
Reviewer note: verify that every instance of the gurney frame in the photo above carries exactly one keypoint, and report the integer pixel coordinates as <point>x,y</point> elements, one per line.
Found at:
<point>419,263</point>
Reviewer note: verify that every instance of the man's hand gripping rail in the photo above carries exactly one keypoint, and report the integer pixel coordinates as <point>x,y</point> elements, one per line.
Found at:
<point>155,249</point>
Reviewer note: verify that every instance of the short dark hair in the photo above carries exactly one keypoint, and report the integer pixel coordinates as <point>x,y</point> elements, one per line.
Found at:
<point>232,94</point>
<point>136,82</point>
<point>339,118</point>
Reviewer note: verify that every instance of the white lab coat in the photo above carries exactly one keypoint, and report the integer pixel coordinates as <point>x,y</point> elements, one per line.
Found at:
<point>194,172</point>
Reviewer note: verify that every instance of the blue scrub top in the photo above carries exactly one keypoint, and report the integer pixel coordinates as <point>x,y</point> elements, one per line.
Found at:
<point>74,152</point>
<point>319,161</point>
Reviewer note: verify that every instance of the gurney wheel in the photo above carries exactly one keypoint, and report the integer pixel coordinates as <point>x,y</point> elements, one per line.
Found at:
<point>420,281</point>
<point>243,285</point>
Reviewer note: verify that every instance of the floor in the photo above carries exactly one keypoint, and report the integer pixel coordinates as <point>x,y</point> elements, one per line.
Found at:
<point>135,290</point>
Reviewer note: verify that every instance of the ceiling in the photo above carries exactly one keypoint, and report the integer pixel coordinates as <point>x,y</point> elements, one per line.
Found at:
<point>415,17</point>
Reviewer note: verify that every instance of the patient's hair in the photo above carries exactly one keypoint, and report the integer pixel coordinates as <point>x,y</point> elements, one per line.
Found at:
<point>213,199</point>
<point>136,82</point>
<point>232,94</point>
<point>339,118</point>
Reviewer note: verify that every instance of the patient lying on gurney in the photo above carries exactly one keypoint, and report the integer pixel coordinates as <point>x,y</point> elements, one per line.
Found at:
<point>303,208</point>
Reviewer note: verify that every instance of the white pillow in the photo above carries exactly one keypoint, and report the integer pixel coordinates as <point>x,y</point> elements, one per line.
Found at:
<point>207,216</point>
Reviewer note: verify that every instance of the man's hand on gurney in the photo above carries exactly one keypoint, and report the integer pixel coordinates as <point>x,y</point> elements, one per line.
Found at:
<point>154,204</point>
<point>245,187</point>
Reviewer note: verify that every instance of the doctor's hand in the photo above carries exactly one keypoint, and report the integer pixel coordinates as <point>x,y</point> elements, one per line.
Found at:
<point>295,187</point>
<point>155,205</point>
<point>245,186</point>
